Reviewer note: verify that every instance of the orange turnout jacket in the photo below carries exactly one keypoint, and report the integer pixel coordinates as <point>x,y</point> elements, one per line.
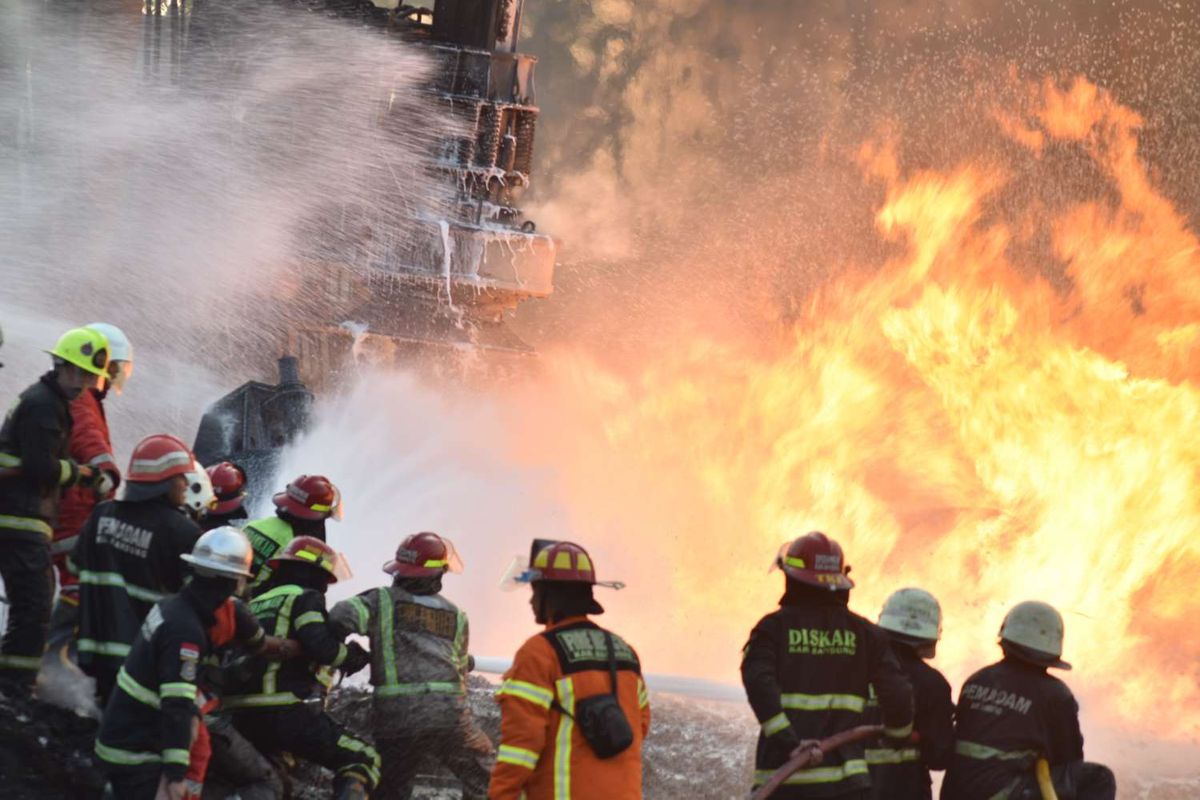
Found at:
<point>542,754</point>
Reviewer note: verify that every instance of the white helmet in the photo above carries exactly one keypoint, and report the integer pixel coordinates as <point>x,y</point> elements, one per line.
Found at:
<point>200,498</point>
<point>913,613</point>
<point>221,553</point>
<point>120,354</point>
<point>1038,627</point>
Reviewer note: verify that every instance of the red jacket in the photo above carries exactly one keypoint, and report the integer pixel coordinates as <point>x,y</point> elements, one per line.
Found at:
<point>90,444</point>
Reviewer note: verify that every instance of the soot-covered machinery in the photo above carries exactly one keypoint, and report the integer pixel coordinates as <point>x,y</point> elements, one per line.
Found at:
<point>449,284</point>
<point>420,296</point>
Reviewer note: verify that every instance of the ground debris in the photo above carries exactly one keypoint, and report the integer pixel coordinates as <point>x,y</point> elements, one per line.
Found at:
<point>46,752</point>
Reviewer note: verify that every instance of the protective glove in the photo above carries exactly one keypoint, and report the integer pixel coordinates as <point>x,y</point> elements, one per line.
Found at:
<point>813,746</point>
<point>103,484</point>
<point>781,745</point>
<point>356,659</point>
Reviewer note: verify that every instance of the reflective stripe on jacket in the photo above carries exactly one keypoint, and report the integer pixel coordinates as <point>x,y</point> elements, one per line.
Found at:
<point>542,754</point>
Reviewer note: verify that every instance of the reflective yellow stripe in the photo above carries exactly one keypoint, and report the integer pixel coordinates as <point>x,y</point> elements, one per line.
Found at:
<point>9,460</point>
<point>363,614</point>
<point>20,662</point>
<point>850,769</point>
<point>115,580</point>
<point>114,755</point>
<point>135,690</point>
<point>175,755</point>
<point>357,746</point>
<point>562,750</point>
<point>259,700</point>
<point>111,649</point>
<point>775,724</point>
<point>643,697</point>
<point>538,695</point>
<point>791,561</point>
<point>32,524</point>
<point>983,752</point>
<point>519,756</point>
<point>899,733</point>
<point>64,472</point>
<point>888,755</point>
<point>309,618</point>
<point>181,689</point>
<point>823,702</point>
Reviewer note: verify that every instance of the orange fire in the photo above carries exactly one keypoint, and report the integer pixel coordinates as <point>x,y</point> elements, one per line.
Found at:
<point>963,417</point>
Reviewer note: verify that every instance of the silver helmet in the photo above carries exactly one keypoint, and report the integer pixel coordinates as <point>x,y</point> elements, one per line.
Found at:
<point>1038,627</point>
<point>221,553</point>
<point>913,613</point>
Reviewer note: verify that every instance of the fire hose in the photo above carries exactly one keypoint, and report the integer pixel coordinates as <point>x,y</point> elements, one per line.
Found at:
<point>803,756</point>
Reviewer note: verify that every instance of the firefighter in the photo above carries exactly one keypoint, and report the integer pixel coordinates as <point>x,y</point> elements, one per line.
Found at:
<point>90,444</point>
<point>300,510</point>
<point>149,722</point>
<point>912,620</point>
<point>573,708</point>
<point>127,555</point>
<point>1013,713</point>
<point>35,466</point>
<point>808,669</point>
<point>419,668</point>
<point>229,485</point>
<point>280,707</point>
<point>222,761</point>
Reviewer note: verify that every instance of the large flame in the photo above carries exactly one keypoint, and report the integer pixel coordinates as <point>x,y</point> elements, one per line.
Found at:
<point>966,417</point>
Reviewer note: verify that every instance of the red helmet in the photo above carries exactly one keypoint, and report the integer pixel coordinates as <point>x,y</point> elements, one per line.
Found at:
<point>422,555</point>
<point>817,560</point>
<point>229,485</point>
<point>311,497</point>
<point>159,457</point>
<point>312,551</point>
<point>563,561</point>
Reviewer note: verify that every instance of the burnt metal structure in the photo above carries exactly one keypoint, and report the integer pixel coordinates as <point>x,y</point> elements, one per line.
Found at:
<point>450,284</point>
<point>252,423</point>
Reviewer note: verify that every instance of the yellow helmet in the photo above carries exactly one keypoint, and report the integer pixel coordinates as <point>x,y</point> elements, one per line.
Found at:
<point>85,348</point>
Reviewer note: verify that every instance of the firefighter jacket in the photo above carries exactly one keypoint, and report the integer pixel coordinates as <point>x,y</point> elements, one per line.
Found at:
<point>147,724</point>
<point>808,669</point>
<point>1009,715</point>
<point>89,444</point>
<point>35,438</point>
<point>295,612</point>
<point>900,771</point>
<point>126,559</point>
<point>542,754</point>
<point>419,657</point>
<point>269,536</point>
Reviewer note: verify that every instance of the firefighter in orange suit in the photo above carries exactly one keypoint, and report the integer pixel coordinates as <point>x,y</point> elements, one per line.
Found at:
<point>573,706</point>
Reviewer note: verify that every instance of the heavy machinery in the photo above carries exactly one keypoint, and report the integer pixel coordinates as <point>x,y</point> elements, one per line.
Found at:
<point>450,284</point>
<point>442,288</point>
